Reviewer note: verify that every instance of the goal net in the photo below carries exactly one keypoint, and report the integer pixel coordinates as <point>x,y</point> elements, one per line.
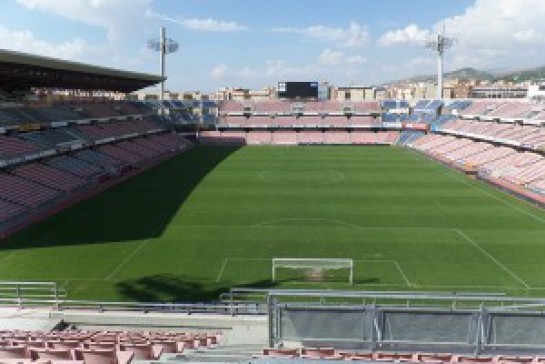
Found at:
<point>314,268</point>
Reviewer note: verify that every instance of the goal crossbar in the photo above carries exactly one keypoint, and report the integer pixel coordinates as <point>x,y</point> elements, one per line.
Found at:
<point>307,263</point>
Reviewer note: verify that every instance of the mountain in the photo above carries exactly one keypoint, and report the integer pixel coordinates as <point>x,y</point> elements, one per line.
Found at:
<point>530,74</point>
<point>470,73</point>
<point>463,73</point>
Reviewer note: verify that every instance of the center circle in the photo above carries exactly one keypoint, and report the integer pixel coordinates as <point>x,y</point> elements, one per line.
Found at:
<point>302,177</point>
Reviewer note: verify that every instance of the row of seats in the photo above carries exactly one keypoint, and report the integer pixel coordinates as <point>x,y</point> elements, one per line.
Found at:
<point>28,194</point>
<point>51,177</point>
<point>41,184</point>
<point>508,109</point>
<point>98,347</point>
<point>408,357</point>
<point>107,130</point>
<point>524,169</point>
<point>288,107</point>
<point>18,114</point>
<point>529,136</point>
<point>75,166</point>
<point>11,147</point>
<point>302,121</point>
<point>302,137</point>
<point>21,144</point>
<point>9,210</point>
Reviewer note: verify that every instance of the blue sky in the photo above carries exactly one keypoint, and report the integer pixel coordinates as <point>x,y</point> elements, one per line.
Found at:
<point>243,43</point>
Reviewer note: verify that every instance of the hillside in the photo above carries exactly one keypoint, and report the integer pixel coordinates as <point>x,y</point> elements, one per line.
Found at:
<point>467,73</point>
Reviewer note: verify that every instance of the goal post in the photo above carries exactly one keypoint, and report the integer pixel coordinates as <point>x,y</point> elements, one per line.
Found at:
<point>314,263</point>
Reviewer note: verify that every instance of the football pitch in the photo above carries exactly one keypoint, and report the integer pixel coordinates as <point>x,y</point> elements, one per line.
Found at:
<point>214,217</point>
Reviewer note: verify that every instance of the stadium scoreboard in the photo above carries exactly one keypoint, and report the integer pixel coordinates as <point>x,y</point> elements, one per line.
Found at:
<point>297,90</point>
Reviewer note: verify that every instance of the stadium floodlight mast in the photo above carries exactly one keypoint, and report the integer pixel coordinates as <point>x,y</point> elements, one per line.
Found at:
<point>439,44</point>
<point>164,46</point>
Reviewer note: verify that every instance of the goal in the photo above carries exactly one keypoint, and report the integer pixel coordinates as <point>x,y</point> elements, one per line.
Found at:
<point>314,264</point>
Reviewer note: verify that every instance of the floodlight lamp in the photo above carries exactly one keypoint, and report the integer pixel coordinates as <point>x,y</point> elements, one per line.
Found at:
<point>154,45</point>
<point>171,46</point>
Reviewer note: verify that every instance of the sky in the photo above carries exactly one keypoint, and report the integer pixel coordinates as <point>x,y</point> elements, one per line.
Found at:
<point>256,43</point>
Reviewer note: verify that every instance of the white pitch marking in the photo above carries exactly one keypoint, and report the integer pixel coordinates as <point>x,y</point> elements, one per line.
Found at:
<point>394,262</point>
<point>226,260</point>
<point>156,231</point>
<point>402,273</point>
<point>340,223</point>
<point>527,213</point>
<point>221,270</point>
<point>127,259</point>
<point>337,222</point>
<point>491,257</point>
<point>8,256</point>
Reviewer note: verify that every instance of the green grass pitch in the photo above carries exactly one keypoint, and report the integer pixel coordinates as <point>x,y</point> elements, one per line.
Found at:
<point>214,217</point>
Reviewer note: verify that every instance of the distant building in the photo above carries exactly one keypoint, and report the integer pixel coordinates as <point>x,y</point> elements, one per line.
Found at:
<point>241,94</point>
<point>323,90</point>
<point>499,92</point>
<point>349,93</point>
<point>462,91</point>
<point>536,92</point>
<point>352,93</point>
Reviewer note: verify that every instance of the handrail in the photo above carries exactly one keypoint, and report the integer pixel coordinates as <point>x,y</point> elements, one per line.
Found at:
<point>404,298</point>
<point>242,300</point>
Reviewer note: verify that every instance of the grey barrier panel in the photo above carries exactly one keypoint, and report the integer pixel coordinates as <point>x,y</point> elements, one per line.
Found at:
<point>497,325</point>
<point>429,327</point>
<point>517,329</point>
<point>323,323</point>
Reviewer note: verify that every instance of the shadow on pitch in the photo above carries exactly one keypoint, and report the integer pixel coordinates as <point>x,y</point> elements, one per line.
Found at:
<point>173,288</point>
<point>140,208</point>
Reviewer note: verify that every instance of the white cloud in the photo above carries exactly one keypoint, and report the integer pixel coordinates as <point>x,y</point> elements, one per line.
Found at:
<point>356,60</point>
<point>25,41</point>
<point>330,57</point>
<point>422,61</point>
<point>500,22</point>
<point>219,71</point>
<point>411,34</point>
<point>330,64</point>
<point>488,34</point>
<point>247,72</point>
<point>208,24</point>
<point>213,25</point>
<point>117,17</point>
<point>355,35</point>
<point>494,33</point>
<point>527,36</point>
<point>279,68</point>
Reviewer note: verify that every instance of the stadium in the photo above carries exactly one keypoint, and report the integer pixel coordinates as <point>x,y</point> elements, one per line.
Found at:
<point>295,229</point>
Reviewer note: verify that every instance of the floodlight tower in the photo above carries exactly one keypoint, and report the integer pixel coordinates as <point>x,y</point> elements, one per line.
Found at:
<point>439,44</point>
<point>164,46</point>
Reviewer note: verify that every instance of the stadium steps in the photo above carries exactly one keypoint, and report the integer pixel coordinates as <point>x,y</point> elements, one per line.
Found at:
<point>222,354</point>
<point>13,318</point>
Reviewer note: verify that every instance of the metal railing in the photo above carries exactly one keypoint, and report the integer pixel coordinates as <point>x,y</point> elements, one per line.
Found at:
<point>415,321</point>
<point>54,296</point>
<point>19,293</point>
<point>372,320</point>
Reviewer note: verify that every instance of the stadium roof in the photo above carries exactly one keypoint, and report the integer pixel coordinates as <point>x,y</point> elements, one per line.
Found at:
<point>21,71</point>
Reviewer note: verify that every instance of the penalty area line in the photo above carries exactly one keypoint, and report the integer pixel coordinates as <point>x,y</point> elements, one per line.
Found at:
<point>492,258</point>
<point>127,259</point>
<point>221,270</point>
<point>226,260</point>
<point>394,262</point>
<point>402,273</point>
